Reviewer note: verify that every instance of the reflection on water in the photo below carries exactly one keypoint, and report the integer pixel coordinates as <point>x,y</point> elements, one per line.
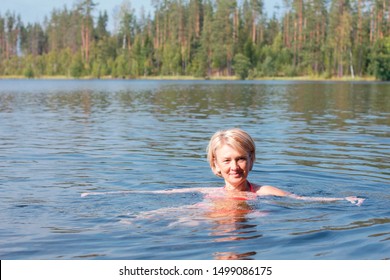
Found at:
<point>234,256</point>
<point>62,138</point>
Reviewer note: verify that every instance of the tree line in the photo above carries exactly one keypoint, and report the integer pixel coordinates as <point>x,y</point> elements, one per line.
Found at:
<point>202,38</point>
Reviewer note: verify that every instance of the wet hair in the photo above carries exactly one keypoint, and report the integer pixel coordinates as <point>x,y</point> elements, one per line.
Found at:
<point>235,138</point>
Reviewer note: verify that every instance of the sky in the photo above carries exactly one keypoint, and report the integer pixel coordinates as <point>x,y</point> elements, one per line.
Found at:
<point>35,10</point>
<point>32,11</point>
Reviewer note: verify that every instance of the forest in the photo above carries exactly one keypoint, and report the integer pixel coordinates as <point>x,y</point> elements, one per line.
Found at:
<point>327,39</point>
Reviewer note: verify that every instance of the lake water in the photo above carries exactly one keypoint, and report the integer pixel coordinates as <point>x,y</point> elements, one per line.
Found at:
<point>59,139</point>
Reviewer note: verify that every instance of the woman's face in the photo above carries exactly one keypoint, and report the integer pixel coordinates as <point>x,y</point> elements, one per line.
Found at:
<point>233,165</point>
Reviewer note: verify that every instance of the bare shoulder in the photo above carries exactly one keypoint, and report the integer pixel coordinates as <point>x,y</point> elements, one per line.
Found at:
<point>269,190</point>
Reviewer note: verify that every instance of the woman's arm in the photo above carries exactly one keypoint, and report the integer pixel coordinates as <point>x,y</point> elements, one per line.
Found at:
<point>169,191</point>
<point>269,190</point>
<point>353,199</point>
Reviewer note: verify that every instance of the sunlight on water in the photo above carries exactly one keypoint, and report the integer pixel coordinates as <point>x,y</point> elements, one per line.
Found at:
<point>60,139</point>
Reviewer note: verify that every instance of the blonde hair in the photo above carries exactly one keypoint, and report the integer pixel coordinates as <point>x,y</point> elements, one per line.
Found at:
<point>237,139</point>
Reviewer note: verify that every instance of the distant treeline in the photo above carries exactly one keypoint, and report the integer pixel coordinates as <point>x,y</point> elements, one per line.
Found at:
<point>202,38</point>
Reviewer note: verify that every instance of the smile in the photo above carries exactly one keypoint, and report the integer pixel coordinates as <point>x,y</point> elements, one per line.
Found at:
<point>235,174</point>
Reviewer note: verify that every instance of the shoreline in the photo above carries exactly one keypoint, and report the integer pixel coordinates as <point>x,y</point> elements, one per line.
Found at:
<point>192,78</point>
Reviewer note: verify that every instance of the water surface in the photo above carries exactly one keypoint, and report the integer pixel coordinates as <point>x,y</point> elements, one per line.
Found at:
<point>59,139</point>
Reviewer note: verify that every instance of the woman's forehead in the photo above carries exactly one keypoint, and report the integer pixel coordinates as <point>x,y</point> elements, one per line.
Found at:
<point>229,150</point>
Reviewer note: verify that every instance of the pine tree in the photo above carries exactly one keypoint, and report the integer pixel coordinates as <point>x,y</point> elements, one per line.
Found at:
<point>339,37</point>
<point>85,8</point>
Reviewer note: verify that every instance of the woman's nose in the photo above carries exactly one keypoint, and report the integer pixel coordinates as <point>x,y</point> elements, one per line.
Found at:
<point>233,164</point>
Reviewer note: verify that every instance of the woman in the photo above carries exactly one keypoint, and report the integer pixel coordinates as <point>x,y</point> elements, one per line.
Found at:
<point>231,154</point>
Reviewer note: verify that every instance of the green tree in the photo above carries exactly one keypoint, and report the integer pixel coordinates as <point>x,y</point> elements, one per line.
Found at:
<point>360,36</point>
<point>241,65</point>
<point>85,8</point>
<point>315,37</point>
<point>381,59</point>
<point>29,70</point>
<point>101,27</point>
<point>32,39</point>
<point>127,25</point>
<point>77,66</point>
<point>171,60</point>
<point>339,39</point>
<point>222,36</point>
<point>11,32</point>
<point>206,41</point>
<point>199,65</point>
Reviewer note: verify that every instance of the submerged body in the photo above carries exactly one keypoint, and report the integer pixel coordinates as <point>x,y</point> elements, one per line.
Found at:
<point>224,193</point>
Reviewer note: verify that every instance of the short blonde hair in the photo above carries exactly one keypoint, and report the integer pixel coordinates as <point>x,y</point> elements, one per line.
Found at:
<point>234,137</point>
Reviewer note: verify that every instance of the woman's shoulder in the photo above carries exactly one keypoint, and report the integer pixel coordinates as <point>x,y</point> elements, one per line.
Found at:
<point>269,190</point>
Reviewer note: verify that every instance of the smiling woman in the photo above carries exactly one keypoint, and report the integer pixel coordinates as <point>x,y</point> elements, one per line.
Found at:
<point>231,154</point>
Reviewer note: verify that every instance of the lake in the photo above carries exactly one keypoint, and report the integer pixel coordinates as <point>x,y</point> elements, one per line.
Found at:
<point>62,138</point>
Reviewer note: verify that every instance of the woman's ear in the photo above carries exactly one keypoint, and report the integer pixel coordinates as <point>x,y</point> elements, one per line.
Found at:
<point>218,173</point>
<point>216,169</point>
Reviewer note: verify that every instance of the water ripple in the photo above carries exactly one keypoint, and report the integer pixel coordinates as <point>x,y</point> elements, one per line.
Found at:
<point>63,138</point>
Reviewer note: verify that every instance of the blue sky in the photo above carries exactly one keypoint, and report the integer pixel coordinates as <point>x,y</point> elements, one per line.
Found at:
<point>35,10</point>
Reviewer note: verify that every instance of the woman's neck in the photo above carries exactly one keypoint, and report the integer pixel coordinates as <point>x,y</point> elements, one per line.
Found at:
<point>243,187</point>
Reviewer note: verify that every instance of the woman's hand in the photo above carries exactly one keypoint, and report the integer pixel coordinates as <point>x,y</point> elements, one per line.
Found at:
<point>355,200</point>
